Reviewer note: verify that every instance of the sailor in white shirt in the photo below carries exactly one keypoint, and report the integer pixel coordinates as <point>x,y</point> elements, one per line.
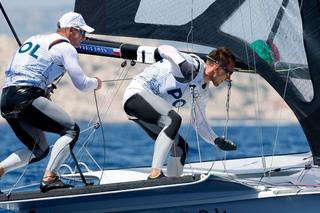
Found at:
<point>36,66</point>
<point>152,95</point>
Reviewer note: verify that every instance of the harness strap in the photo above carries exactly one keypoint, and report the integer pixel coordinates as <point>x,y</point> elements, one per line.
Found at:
<point>58,41</point>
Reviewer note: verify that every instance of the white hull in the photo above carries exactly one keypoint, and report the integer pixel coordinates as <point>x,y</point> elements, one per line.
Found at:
<point>290,189</point>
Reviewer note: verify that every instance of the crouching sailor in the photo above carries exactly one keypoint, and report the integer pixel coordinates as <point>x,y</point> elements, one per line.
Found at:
<point>152,96</point>
<point>37,64</point>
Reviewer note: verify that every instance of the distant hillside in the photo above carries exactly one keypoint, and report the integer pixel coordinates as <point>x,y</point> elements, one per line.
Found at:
<point>247,90</point>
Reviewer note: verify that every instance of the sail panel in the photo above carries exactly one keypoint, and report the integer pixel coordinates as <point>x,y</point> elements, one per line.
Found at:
<point>168,12</point>
<point>254,20</point>
<point>277,39</point>
<point>245,26</point>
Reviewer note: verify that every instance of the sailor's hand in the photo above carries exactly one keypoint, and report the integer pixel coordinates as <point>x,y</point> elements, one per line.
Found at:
<point>99,83</point>
<point>225,144</point>
<point>50,91</point>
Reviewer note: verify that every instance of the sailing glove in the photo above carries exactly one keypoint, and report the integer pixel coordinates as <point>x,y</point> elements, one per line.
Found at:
<point>224,144</point>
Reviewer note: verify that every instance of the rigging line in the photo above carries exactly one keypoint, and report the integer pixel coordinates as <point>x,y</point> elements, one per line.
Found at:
<point>10,25</point>
<point>24,186</point>
<point>211,167</point>
<point>265,9</point>
<point>257,105</point>
<point>103,135</point>
<point>212,139</point>
<point>84,146</point>
<point>259,122</point>
<point>191,89</point>
<point>276,70</point>
<point>25,168</point>
<point>115,91</point>
<point>73,157</point>
<point>100,121</point>
<point>115,80</point>
<point>78,167</point>
<point>91,157</point>
<point>279,119</point>
<point>190,33</point>
<point>225,131</point>
<point>243,27</point>
<point>247,49</point>
<point>185,146</point>
<point>188,129</point>
<point>89,128</point>
<point>103,102</point>
<point>197,136</point>
<point>81,156</point>
<point>94,160</point>
<point>187,140</point>
<point>303,174</point>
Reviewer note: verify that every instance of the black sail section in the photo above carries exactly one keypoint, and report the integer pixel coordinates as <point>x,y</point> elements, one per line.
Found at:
<point>309,115</point>
<point>118,18</point>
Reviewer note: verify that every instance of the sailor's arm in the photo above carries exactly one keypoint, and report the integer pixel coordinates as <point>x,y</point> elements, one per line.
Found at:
<point>78,77</point>
<point>186,65</point>
<point>202,127</point>
<point>200,123</point>
<point>170,53</point>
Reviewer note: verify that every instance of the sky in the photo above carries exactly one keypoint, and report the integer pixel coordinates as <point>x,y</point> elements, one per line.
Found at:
<point>31,17</point>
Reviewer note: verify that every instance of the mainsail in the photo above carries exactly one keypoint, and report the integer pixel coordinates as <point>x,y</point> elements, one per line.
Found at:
<point>278,39</point>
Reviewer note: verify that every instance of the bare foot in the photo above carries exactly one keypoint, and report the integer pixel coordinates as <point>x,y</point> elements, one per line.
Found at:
<point>155,173</point>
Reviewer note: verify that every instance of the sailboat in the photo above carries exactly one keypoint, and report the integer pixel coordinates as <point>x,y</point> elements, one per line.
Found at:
<point>284,52</point>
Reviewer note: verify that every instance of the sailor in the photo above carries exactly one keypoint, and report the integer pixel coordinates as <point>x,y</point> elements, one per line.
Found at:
<point>29,79</point>
<point>177,80</point>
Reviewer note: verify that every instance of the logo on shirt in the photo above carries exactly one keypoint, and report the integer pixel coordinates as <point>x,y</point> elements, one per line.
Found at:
<point>177,94</point>
<point>28,47</point>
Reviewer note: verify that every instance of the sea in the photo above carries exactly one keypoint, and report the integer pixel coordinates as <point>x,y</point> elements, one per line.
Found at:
<point>123,145</point>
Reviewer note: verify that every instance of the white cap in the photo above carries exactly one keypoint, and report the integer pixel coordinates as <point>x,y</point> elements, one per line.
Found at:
<point>73,19</point>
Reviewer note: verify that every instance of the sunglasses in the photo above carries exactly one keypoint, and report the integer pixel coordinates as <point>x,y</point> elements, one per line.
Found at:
<point>81,31</point>
<point>227,71</point>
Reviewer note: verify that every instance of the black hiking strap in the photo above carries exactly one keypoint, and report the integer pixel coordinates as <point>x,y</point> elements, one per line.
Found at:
<point>58,41</point>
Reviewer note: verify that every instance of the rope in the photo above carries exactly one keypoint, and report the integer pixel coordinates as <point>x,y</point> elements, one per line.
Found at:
<point>116,80</point>
<point>190,33</point>
<point>278,123</point>
<point>24,170</point>
<point>103,135</point>
<point>225,131</point>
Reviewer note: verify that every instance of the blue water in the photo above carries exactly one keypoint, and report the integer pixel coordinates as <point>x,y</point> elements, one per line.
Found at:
<point>126,145</point>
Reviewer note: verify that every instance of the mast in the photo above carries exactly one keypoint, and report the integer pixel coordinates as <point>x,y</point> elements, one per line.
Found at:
<point>10,25</point>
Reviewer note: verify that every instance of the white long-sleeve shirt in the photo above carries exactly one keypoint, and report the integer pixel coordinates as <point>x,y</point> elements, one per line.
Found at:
<point>164,79</point>
<point>35,64</point>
